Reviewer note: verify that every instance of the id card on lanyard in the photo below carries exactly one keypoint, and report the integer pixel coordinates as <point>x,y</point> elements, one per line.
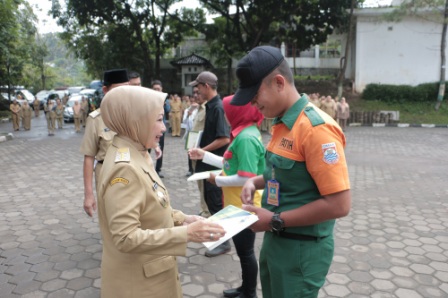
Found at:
<point>273,197</point>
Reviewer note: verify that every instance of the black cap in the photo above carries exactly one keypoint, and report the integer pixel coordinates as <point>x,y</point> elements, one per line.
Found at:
<point>252,69</point>
<point>115,76</point>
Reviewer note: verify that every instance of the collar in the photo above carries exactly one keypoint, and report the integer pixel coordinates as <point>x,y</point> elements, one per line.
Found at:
<point>212,102</point>
<point>290,116</point>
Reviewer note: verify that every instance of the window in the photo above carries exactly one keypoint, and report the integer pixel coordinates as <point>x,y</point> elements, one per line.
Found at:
<point>330,49</point>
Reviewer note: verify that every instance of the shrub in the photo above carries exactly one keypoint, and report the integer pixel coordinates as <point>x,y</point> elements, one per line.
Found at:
<point>401,93</point>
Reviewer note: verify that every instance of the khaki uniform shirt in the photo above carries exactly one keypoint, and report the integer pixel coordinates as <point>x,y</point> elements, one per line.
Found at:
<point>36,104</point>
<point>176,106</point>
<point>199,120</point>
<point>15,108</point>
<point>141,232</point>
<point>97,137</point>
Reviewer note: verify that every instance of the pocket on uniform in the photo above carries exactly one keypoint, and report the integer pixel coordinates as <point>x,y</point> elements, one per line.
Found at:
<point>281,162</point>
<point>157,266</point>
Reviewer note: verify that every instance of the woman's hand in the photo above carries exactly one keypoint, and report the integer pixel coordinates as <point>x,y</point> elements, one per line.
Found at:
<point>204,231</point>
<point>192,218</point>
<point>196,153</point>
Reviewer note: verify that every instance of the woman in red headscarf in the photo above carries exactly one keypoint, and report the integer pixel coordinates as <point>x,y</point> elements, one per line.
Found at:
<point>243,159</point>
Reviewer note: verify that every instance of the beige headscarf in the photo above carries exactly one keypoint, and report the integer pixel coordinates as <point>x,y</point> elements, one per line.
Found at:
<point>132,112</point>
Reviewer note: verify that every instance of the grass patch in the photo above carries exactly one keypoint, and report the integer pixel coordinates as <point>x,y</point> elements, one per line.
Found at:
<point>5,114</point>
<point>410,112</point>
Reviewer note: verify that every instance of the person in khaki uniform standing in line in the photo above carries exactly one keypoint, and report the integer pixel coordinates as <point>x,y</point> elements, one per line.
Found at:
<point>141,232</point>
<point>52,117</point>
<point>84,110</point>
<point>26,113</point>
<point>59,113</point>
<point>97,138</point>
<point>198,125</point>
<point>36,106</point>
<point>15,113</point>
<point>176,114</point>
<point>77,116</point>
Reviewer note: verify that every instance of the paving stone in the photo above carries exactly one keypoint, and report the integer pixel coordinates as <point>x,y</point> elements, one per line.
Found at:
<point>26,287</point>
<point>393,243</point>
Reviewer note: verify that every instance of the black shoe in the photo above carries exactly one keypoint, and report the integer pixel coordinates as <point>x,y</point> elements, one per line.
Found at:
<point>235,292</point>
<point>160,175</point>
<point>242,295</point>
<point>188,174</point>
<point>220,250</point>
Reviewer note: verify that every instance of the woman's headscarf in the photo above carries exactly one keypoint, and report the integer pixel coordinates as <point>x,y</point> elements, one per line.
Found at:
<point>240,117</point>
<point>132,112</point>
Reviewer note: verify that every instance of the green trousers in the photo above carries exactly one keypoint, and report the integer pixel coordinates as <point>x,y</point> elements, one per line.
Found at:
<point>292,268</point>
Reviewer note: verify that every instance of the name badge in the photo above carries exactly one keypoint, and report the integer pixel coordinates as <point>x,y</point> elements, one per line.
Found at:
<point>273,192</point>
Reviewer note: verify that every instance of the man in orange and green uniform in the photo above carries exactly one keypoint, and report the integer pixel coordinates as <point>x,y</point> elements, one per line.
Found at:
<point>306,184</point>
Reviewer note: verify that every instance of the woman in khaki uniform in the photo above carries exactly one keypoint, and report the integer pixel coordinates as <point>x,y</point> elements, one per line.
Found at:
<point>36,106</point>
<point>52,117</point>
<point>141,232</point>
<point>59,112</point>
<point>84,110</point>
<point>26,113</point>
<point>77,116</point>
<point>15,113</point>
<point>176,115</point>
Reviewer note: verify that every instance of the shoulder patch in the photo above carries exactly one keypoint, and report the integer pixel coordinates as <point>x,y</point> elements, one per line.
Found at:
<point>314,116</point>
<point>330,153</point>
<point>123,155</point>
<point>119,180</point>
<point>94,114</point>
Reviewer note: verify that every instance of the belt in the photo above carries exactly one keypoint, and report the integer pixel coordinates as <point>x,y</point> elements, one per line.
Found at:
<point>100,161</point>
<point>298,236</point>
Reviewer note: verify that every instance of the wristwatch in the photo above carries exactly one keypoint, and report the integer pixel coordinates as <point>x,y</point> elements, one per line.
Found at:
<point>277,224</point>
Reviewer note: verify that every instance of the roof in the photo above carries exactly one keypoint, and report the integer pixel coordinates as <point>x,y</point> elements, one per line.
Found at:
<point>192,59</point>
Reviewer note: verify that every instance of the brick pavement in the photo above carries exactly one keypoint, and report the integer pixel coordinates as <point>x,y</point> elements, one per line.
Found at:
<point>394,243</point>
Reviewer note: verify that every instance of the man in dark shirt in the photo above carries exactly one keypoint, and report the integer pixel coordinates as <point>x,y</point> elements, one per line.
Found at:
<point>215,139</point>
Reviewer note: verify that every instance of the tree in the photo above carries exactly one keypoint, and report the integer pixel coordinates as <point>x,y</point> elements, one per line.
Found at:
<point>245,24</point>
<point>119,33</point>
<point>434,11</point>
<point>341,74</point>
<point>17,30</point>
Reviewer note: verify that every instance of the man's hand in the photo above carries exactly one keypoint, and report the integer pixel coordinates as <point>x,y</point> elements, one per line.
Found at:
<point>89,204</point>
<point>212,179</point>
<point>158,152</point>
<point>264,218</point>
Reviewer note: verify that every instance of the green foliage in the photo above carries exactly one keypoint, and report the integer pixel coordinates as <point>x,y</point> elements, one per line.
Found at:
<point>17,31</point>
<point>410,112</point>
<point>314,78</point>
<point>401,93</point>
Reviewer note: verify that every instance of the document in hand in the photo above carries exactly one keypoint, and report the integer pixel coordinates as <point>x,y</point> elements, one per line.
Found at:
<point>203,175</point>
<point>193,139</point>
<point>233,220</point>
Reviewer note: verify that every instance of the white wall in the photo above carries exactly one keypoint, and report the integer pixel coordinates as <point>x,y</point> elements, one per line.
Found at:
<point>405,52</point>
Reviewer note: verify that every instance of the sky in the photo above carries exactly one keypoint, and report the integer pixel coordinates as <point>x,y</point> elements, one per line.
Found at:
<point>47,24</point>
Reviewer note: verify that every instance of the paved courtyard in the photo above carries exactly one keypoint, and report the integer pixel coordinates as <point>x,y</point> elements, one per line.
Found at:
<point>394,243</point>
